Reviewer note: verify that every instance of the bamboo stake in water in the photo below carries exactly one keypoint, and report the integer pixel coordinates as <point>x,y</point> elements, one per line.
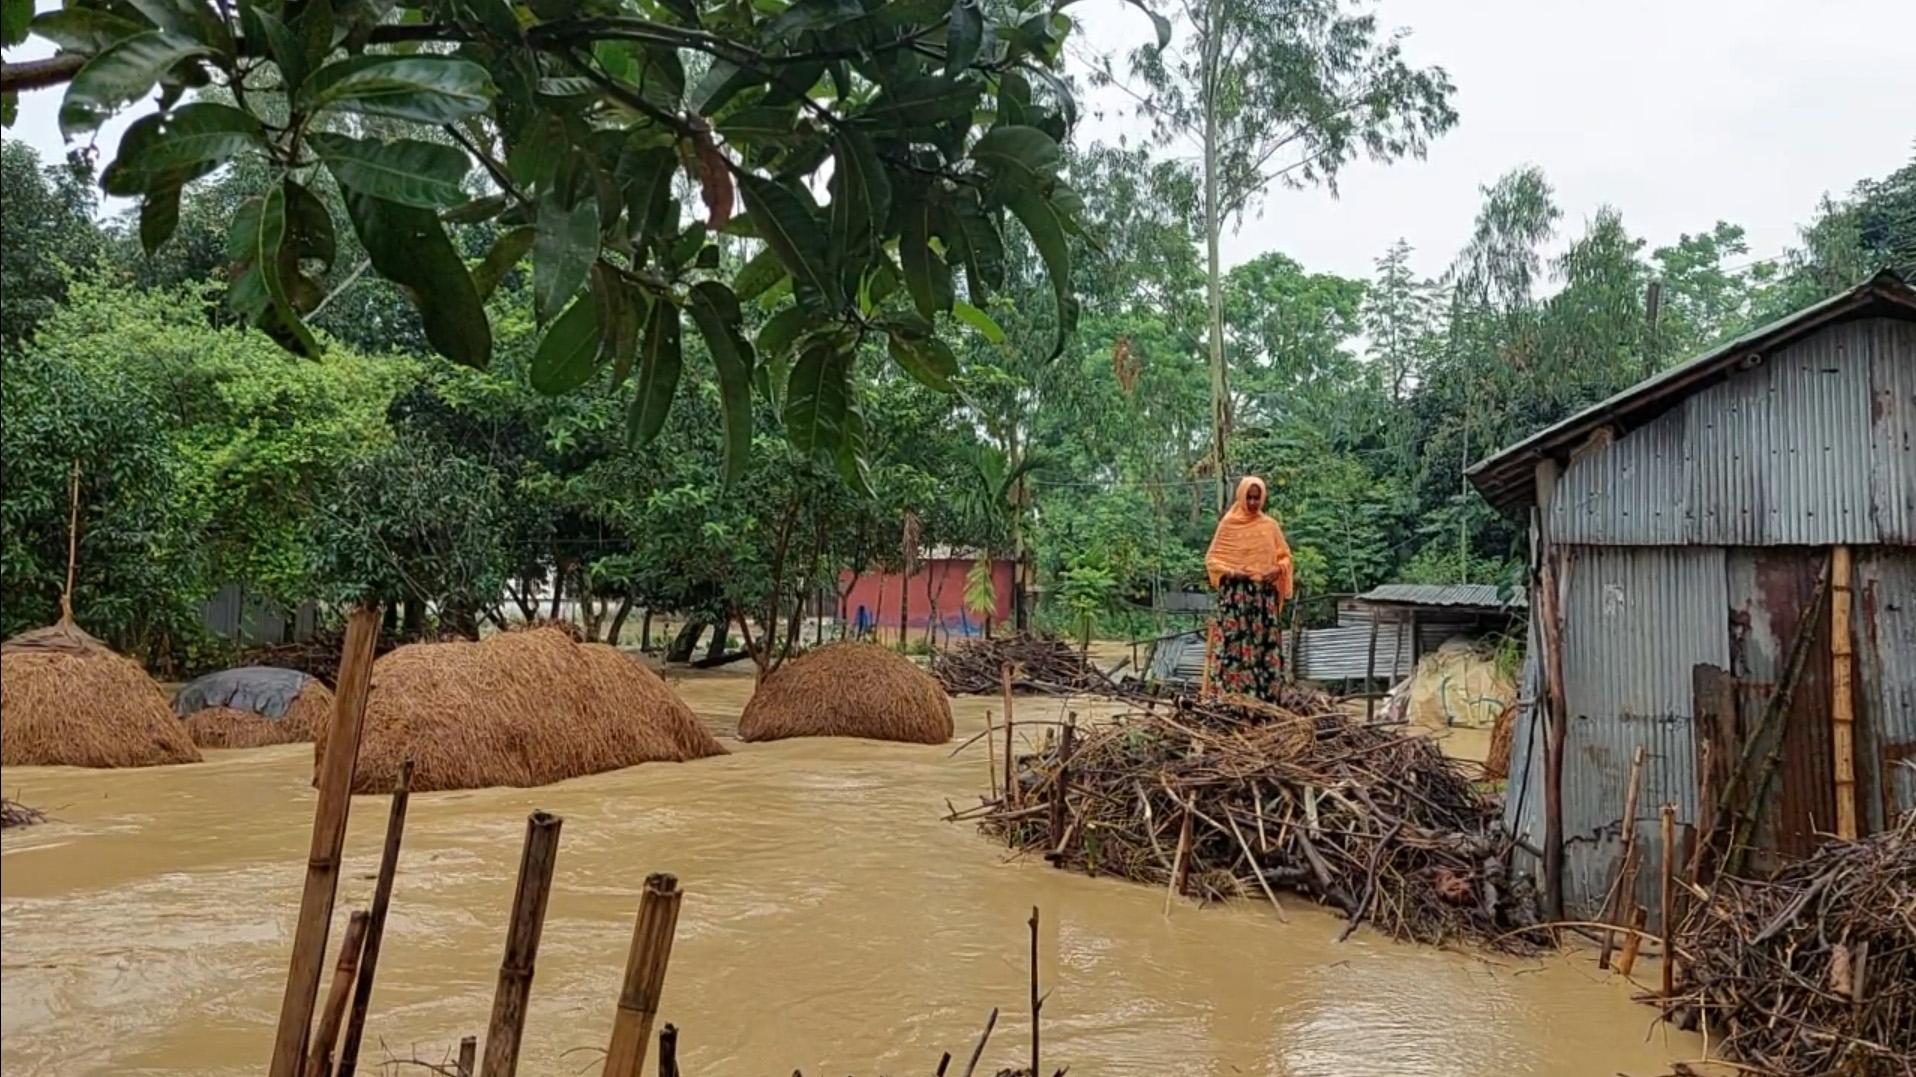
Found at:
<point>329,835</point>
<point>468,1055</point>
<point>991,753</point>
<point>1037,1002</point>
<point>1669,900</point>
<point>540,855</point>
<point>644,976</point>
<point>1622,893</point>
<point>669,1050</point>
<point>1628,959</point>
<point>345,969</point>
<point>376,925</point>
<point>1014,789</point>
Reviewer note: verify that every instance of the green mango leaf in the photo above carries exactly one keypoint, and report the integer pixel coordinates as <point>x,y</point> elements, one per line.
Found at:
<point>569,354</point>
<point>768,125</point>
<point>477,210</point>
<point>409,247</point>
<point>850,456</point>
<point>567,246</point>
<point>507,252</point>
<point>660,362</point>
<point>792,230</point>
<point>975,236</point>
<point>964,34</point>
<point>422,88</point>
<point>286,48</point>
<point>817,398</point>
<point>407,171</point>
<point>16,16</point>
<point>815,15</point>
<point>195,138</point>
<point>159,215</point>
<point>496,16</point>
<point>780,332</point>
<point>920,101</point>
<point>927,277</point>
<point>861,195</point>
<point>715,309</point>
<point>1018,157</point>
<point>922,355</point>
<point>310,226</point>
<point>83,30</point>
<point>645,173</point>
<point>263,265</point>
<point>986,326</point>
<point>187,18</point>
<point>122,72</point>
<point>758,275</point>
<point>723,81</point>
<point>662,78</point>
<point>1047,232</point>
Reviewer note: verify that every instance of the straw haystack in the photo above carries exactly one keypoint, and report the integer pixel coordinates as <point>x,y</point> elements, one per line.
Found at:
<point>849,690</point>
<point>252,707</point>
<point>67,700</point>
<point>517,709</point>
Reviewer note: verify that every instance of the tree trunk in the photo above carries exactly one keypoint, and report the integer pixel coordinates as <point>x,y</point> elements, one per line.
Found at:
<point>645,631</point>
<point>389,621</point>
<point>412,622</point>
<point>558,587</point>
<point>1213,284</point>
<point>618,619</point>
<point>716,648</point>
<point>522,597</point>
<point>686,640</point>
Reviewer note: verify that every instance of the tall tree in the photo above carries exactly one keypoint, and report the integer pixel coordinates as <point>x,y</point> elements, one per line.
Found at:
<point>46,233</point>
<point>1282,91</point>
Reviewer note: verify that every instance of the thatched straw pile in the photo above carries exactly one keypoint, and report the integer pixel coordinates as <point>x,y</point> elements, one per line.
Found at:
<point>67,700</point>
<point>849,690</point>
<point>1811,971</point>
<point>252,707</point>
<point>516,709</point>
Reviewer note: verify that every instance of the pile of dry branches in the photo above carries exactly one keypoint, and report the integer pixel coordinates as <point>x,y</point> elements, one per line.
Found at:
<point>1234,799</point>
<point>1039,664</point>
<point>13,813</point>
<point>1812,971</point>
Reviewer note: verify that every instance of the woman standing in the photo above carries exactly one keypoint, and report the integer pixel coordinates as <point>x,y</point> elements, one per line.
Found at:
<point>1250,566</point>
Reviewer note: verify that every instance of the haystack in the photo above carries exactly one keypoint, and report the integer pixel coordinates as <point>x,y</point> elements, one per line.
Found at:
<point>849,690</point>
<point>67,700</point>
<point>252,707</point>
<point>516,709</point>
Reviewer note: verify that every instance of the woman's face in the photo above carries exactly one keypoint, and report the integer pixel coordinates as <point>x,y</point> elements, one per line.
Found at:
<point>1254,498</point>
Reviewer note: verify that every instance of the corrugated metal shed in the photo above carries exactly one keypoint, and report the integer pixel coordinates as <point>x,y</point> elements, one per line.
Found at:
<point>1475,595</point>
<point>1886,677</point>
<point>1787,452</point>
<point>1324,654</point>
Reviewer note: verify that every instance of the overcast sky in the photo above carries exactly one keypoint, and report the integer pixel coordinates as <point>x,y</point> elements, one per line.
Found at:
<point>1677,112</point>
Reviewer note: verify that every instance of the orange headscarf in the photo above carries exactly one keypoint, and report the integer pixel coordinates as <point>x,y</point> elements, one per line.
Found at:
<point>1249,543</point>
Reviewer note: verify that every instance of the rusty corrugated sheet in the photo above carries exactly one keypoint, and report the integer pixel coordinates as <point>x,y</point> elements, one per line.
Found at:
<point>1886,678</point>
<point>1799,449</point>
<point>1771,590</point>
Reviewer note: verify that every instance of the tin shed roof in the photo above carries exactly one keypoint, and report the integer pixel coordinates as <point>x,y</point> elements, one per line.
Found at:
<point>1505,480</point>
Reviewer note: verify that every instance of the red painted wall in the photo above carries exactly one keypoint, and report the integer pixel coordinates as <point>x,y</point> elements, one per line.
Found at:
<point>878,594</point>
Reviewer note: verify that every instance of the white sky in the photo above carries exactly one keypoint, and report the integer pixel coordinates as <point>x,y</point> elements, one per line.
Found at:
<point>1677,112</point>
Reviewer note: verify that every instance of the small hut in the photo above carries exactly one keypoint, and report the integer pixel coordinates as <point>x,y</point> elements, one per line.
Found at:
<point>849,690</point>
<point>253,706</point>
<point>67,700</point>
<point>516,709</point>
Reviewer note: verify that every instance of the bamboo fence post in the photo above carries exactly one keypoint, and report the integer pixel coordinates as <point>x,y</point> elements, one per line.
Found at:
<point>1628,959</point>
<point>329,836</point>
<point>991,753</point>
<point>1014,790</point>
<point>1622,894</point>
<point>1668,907</point>
<point>1063,786</point>
<point>669,1050</point>
<point>376,925</point>
<point>345,969</point>
<point>468,1055</point>
<point>645,966</point>
<point>1037,1002</point>
<point>1842,695</point>
<point>1178,864</point>
<point>536,861</point>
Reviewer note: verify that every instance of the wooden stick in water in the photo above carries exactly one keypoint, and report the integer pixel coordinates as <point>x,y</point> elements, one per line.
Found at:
<point>345,969</point>
<point>329,836</point>
<point>1628,959</point>
<point>1178,866</point>
<point>1669,900</point>
<point>978,1051</point>
<point>991,753</point>
<point>644,976</point>
<point>1621,897</point>
<point>376,925</point>
<point>1062,787</point>
<point>669,1050</point>
<point>1037,1002</point>
<point>536,861</point>
<point>468,1055</point>
<point>1014,790</point>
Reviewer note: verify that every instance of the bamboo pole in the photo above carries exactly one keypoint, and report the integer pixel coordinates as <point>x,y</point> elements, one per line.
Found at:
<point>376,925</point>
<point>1014,790</point>
<point>645,966</point>
<point>536,861</point>
<point>1179,866</point>
<point>1842,695</point>
<point>329,836</point>
<point>1037,1002</point>
<point>669,1050</point>
<point>1668,906</point>
<point>1622,893</point>
<point>1628,959</point>
<point>991,753</point>
<point>1063,786</point>
<point>468,1055</point>
<point>1555,728</point>
<point>345,970</point>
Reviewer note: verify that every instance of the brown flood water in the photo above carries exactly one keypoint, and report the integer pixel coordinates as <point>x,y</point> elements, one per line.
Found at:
<point>832,922</point>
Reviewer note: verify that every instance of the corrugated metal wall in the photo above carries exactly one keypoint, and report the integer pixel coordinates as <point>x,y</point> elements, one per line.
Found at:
<point>1806,448</point>
<point>234,614</point>
<point>1886,678</point>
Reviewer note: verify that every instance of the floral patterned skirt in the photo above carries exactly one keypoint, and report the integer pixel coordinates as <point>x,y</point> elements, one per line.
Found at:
<point>1249,660</point>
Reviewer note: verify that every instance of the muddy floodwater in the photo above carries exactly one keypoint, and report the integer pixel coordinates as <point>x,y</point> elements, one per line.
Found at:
<point>832,923</point>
